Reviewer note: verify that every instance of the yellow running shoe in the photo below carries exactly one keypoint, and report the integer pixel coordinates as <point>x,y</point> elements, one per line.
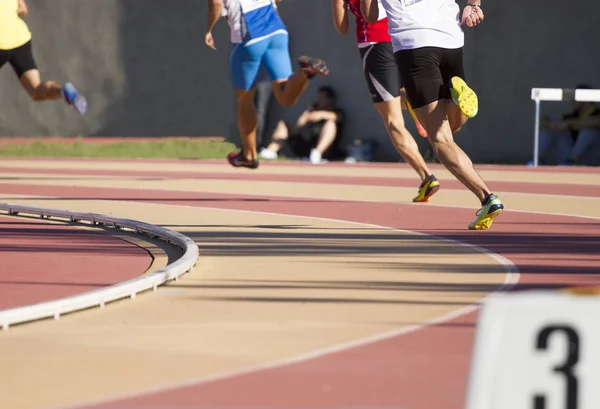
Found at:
<point>420,128</point>
<point>488,212</point>
<point>427,189</point>
<point>464,97</point>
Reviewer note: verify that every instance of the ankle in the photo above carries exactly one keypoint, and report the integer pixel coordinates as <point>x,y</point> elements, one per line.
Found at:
<point>248,155</point>
<point>487,198</point>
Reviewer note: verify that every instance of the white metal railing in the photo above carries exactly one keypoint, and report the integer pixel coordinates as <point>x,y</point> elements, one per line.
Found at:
<point>557,94</point>
<point>98,298</point>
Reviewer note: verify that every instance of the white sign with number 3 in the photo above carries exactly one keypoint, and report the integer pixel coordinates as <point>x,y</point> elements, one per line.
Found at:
<point>537,350</point>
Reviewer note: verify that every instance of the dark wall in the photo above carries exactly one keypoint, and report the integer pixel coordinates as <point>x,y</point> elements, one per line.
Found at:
<point>146,71</point>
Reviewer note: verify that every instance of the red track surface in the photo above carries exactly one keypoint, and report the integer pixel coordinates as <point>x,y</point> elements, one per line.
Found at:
<point>41,261</point>
<point>421,370</point>
<point>391,165</point>
<point>499,186</point>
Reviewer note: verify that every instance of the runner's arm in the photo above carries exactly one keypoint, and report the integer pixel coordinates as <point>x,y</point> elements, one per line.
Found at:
<point>22,9</point>
<point>214,13</point>
<point>340,16</point>
<point>370,10</point>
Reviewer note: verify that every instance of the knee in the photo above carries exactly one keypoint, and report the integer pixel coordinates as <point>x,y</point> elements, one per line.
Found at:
<point>456,127</point>
<point>245,103</point>
<point>329,126</point>
<point>458,123</point>
<point>281,131</point>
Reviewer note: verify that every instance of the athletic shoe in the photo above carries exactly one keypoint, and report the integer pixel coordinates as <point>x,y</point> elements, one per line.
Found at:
<point>313,66</point>
<point>488,212</point>
<point>315,157</point>
<point>73,97</point>
<point>420,128</point>
<point>464,97</point>
<point>237,160</point>
<point>268,154</point>
<point>427,189</point>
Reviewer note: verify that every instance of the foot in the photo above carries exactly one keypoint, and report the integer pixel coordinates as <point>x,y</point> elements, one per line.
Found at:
<point>237,160</point>
<point>488,212</point>
<point>315,157</point>
<point>464,97</point>
<point>420,128</point>
<point>427,189</point>
<point>268,154</point>
<point>313,66</point>
<point>73,97</point>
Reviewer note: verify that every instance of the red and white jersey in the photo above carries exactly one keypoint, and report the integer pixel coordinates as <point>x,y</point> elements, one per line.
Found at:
<point>366,33</point>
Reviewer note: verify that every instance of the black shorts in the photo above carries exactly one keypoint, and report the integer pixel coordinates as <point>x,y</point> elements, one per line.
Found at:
<point>426,73</point>
<point>381,71</point>
<point>21,59</point>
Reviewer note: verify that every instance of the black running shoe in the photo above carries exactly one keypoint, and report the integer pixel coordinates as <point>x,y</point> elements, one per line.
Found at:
<point>237,160</point>
<point>313,66</point>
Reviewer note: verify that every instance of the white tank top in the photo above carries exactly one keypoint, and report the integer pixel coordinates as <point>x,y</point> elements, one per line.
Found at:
<point>252,20</point>
<point>424,23</point>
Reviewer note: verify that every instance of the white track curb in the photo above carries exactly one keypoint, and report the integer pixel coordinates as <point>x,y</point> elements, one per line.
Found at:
<point>99,298</point>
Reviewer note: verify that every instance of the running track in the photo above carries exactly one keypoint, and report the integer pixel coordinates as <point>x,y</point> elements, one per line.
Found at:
<point>542,233</point>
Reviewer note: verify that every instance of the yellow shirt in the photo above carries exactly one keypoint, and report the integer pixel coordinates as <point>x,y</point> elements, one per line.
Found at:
<point>13,30</point>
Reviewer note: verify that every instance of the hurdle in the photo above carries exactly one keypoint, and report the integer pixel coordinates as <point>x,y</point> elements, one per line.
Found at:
<point>557,94</point>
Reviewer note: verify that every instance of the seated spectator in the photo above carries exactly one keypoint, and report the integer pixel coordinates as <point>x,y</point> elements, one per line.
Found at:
<point>574,133</point>
<point>316,133</point>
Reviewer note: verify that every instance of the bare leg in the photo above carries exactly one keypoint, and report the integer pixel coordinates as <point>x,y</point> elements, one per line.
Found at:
<point>434,119</point>
<point>288,91</point>
<point>326,137</point>
<point>456,118</point>
<point>38,90</point>
<point>280,136</point>
<point>405,144</point>
<point>247,122</point>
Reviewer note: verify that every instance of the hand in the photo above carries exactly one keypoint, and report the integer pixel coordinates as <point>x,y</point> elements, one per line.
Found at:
<point>210,41</point>
<point>472,16</point>
<point>22,8</point>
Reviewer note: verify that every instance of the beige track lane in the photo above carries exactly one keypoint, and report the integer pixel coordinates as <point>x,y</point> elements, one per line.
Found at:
<point>265,288</point>
<point>574,205</point>
<point>400,171</point>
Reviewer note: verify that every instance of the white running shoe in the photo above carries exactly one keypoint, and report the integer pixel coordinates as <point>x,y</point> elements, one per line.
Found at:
<point>267,154</point>
<point>315,156</point>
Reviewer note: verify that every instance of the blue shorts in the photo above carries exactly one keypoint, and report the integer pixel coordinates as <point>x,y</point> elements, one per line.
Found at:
<point>272,53</point>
